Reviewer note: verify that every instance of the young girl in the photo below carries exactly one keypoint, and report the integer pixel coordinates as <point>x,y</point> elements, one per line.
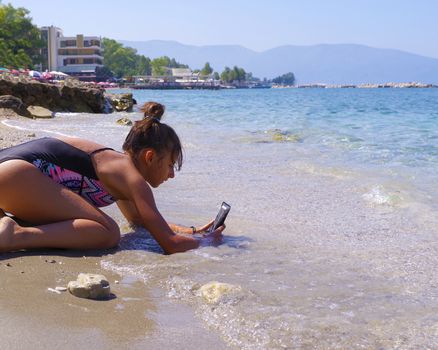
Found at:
<point>57,184</point>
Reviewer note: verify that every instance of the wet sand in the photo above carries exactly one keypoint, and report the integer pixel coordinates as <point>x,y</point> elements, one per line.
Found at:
<point>136,317</point>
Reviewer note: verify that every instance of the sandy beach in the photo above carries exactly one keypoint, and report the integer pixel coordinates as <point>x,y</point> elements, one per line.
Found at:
<point>33,317</point>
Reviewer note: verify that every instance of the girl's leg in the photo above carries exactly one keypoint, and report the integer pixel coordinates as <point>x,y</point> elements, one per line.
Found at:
<point>62,219</point>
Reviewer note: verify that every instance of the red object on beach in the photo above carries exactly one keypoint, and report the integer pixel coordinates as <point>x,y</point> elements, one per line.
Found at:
<point>47,75</point>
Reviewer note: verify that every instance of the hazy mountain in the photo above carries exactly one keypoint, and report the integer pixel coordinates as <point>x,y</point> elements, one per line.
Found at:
<point>333,64</point>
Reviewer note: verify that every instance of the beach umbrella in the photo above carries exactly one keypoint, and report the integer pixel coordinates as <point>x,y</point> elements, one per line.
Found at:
<point>35,74</point>
<point>47,75</point>
<point>60,74</point>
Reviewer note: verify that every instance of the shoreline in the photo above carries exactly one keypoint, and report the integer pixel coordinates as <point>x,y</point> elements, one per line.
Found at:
<point>12,136</point>
<point>36,318</point>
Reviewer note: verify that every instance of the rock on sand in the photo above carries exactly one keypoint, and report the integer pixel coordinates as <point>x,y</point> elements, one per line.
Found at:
<point>90,286</point>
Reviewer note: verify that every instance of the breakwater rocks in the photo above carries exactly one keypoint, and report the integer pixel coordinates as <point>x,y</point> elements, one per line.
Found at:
<point>66,97</point>
<point>120,102</point>
<point>69,96</point>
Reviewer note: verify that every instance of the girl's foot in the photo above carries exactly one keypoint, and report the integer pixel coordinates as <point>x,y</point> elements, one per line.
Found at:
<point>7,229</point>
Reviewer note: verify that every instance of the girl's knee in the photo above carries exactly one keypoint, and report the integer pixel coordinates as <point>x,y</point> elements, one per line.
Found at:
<point>113,235</point>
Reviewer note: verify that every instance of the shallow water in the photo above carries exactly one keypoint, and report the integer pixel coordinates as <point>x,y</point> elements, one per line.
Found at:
<point>332,234</point>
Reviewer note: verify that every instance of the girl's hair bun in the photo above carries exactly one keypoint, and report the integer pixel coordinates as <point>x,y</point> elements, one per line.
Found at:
<point>152,110</point>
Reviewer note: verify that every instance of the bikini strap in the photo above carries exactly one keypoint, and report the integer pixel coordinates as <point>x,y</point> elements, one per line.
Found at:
<point>100,150</point>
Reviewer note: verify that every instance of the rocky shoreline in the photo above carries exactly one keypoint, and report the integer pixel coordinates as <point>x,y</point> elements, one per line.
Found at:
<point>23,95</point>
<point>57,98</point>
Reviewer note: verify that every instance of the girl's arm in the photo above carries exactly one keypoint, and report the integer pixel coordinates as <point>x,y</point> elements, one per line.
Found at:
<point>131,214</point>
<point>138,205</point>
<point>147,214</point>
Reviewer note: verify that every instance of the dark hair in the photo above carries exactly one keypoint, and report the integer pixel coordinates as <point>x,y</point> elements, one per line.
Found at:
<point>151,133</point>
<point>152,109</point>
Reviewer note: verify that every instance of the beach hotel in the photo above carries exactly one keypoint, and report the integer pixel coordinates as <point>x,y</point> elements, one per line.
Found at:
<point>76,56</point>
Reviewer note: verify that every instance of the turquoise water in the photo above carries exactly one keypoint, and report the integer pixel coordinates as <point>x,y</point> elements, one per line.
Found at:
<point>390,132</point>
<point>331,242</point>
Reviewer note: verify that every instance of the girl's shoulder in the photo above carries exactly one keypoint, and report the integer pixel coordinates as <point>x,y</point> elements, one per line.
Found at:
<point>85,145</point>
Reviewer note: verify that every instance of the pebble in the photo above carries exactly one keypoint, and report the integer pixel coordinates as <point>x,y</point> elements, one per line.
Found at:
<point>53,290</point>
<point>90,286</point>
<point>214,291</point>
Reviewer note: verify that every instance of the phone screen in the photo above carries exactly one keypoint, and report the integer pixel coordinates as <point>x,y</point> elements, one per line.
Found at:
<point>221,216</point>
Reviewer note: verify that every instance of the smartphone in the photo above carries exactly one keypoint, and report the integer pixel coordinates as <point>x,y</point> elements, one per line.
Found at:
<point>221,216</point>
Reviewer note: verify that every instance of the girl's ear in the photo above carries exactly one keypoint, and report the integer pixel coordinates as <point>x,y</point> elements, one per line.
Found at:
<point>149,155</point>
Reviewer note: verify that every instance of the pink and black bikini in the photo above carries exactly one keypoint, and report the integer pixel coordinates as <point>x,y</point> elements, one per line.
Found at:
<point>65,164</point>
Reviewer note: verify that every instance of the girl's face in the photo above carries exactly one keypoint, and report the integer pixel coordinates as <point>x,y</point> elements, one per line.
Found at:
<point>161,169</point>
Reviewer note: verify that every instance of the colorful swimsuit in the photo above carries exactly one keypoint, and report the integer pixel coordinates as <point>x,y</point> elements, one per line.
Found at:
<point>64,164</point>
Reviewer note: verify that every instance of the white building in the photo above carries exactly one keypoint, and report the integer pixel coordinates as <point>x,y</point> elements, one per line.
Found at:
<point>76,56</point>
<point>50,35</point>
<point>182,75</point>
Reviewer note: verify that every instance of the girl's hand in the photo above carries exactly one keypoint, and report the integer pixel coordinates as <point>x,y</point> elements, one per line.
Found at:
<point>212,238</point>
<point>204,228</point>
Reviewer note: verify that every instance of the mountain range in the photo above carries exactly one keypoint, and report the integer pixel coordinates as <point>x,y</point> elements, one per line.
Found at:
<point>324,63</point>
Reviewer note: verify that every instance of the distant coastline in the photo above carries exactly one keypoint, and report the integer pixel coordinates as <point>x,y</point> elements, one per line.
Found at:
<point>218,86</point>
<point>361,86</point>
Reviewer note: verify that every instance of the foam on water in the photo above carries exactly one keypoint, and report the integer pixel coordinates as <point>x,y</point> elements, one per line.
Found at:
<point>332,234</point>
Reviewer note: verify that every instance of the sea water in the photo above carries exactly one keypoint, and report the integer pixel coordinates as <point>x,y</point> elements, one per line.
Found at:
<point>331,242</point>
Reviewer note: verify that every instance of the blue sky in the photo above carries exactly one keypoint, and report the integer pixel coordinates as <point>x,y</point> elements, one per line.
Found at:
<point>408,25</point>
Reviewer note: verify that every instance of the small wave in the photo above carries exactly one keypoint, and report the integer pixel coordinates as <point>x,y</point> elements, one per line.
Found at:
<point>271,136</point>
<point>216,302</point>
<point>11,125</point>
<point>140,239</point>
<point>140,272</point>
<point>379,195</point>
<point>333,172</point>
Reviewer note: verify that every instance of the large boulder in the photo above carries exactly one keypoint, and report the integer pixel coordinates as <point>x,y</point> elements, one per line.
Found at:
<point>14,103</point>
<point>40,112</point>
<point>121,102</point>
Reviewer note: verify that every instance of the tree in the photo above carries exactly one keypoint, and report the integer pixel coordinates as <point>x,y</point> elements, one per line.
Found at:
<point>103,73</point>
<point>216,76</point>
<point>143,65</point>
<point>119,59</point>
<point>20,40</point>
<point>159,65</point>
<point>234,75</point>
<point>207,70</point>
<point>239,74</point>
<point>285,79</point>
<point>225,75</point>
